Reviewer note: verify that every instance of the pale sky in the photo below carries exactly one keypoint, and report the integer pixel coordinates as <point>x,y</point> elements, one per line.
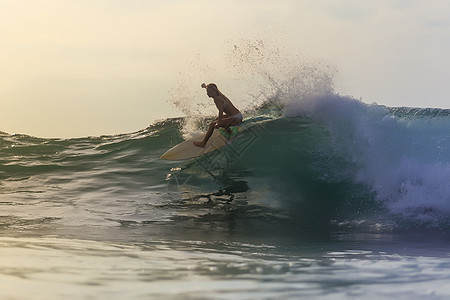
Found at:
<point>74,68</point>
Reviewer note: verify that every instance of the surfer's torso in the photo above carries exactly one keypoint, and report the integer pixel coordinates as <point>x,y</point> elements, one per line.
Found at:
<point>227,107</point>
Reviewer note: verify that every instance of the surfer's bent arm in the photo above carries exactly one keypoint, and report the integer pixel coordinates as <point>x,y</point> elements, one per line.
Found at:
<point>219,106</point>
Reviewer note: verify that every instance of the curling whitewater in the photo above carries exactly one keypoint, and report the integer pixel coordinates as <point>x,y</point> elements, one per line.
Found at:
<point>329,164</point>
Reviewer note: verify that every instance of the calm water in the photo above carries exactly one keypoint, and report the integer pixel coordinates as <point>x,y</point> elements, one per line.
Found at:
<point>350,266</point>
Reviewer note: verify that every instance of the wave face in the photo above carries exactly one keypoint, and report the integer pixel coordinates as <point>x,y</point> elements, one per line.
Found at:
<point>327,163</point>
<point>401,154</point>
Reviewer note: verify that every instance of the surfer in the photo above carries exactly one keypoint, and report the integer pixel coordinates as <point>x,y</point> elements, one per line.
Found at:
<point>229,115</point>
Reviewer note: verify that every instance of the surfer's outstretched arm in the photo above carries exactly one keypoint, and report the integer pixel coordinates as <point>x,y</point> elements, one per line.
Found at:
<point>219,122</point>
<point>207,136</point>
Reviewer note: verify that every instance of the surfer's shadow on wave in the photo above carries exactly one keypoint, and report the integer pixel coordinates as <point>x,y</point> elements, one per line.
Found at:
<point>188,189</point>
<point>226,194</point>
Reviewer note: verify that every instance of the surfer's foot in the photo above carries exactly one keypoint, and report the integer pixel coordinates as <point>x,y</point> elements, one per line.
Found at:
<point>200,144</point>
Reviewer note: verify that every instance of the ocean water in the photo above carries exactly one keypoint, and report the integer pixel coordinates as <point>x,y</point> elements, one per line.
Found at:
<point>331,198</point>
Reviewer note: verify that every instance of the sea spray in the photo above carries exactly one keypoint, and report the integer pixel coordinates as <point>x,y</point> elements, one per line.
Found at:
<point>254,74</point>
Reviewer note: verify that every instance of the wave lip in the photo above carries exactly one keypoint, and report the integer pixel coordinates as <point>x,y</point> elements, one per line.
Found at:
<point>403,154</point>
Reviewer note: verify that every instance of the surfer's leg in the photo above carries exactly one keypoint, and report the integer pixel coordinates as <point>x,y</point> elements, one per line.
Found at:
<point>231,121</point>
<point>207,136</point>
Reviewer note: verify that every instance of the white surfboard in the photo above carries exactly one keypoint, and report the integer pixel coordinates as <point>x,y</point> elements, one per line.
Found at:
<point>187,149</point>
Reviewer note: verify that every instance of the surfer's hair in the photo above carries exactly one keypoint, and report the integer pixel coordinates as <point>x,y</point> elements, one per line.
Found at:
<point>214,87</point>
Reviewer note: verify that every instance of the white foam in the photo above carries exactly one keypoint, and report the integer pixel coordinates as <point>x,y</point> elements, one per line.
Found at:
<point>405,160</point>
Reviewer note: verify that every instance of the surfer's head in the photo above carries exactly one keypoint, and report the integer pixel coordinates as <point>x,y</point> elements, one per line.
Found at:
<point>211,89</point>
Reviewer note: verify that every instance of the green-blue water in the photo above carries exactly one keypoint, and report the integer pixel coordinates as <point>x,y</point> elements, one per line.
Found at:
<point>333,199</point>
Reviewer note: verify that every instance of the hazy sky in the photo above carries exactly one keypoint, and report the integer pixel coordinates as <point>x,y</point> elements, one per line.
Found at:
<point>91,67</point>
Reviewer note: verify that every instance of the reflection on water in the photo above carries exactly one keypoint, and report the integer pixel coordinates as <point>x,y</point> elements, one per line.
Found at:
<point>72,268</point>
